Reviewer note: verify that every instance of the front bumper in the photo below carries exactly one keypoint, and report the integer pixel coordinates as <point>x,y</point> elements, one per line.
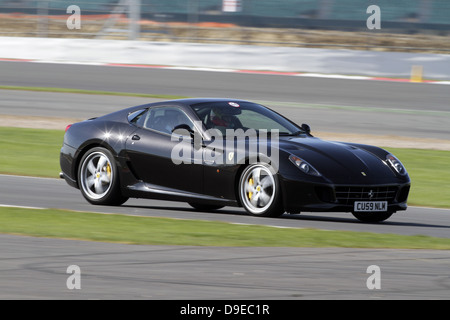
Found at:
<point>314,197</point>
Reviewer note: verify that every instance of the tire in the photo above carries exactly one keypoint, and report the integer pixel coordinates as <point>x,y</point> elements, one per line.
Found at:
<point>259,191</point>
<point>204,207</point>
<point>372,216</point>
<point>98,178</point>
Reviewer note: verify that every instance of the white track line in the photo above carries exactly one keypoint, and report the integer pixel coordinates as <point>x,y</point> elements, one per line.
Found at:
<point>20,207</point>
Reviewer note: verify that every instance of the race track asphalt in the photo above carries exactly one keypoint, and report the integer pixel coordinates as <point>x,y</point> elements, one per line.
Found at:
<point>37,268</point>
<point>416,110</point>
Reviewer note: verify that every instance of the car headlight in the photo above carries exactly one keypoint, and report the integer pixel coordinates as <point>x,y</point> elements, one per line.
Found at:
<point>304,166</point>
<point>396,164</point>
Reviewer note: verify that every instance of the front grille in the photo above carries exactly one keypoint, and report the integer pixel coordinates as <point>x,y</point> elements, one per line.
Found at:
<point>349,194</point>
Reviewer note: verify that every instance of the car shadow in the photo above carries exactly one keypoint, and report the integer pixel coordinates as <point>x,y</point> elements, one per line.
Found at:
<point>326,217</point>
<point>351,219</point>
<point>225,211</point>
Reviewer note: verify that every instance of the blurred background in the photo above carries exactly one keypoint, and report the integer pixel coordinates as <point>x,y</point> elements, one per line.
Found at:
<point>406,25</point>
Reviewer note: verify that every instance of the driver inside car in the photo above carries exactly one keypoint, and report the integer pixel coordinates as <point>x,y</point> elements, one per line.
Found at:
<point>219,119</point>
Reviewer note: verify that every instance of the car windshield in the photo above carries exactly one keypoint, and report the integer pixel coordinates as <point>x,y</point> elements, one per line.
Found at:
<point>225,115</point>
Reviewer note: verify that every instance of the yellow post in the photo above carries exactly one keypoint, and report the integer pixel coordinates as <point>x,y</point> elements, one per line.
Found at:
<point>416,73</point>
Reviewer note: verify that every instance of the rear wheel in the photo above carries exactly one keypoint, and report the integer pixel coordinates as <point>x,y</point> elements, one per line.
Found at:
<point>98,178</point>
<point>372,216</point>
<point>259,191</point>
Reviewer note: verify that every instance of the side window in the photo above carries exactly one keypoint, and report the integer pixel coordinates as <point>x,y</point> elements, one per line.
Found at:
<point>165,119</point>
<point>137,117</point>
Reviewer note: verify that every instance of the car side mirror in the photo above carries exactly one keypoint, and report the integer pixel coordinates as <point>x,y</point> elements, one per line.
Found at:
<point>306,128</point>
<point>183,130</point>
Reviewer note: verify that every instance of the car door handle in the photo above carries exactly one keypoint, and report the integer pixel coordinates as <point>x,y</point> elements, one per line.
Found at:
<point>135,137</point>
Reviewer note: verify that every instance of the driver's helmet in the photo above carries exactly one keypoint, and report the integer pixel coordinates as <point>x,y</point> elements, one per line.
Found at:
<point>217,118</point>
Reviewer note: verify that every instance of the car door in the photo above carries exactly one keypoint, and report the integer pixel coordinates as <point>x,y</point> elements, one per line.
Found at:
<point>151,148</point>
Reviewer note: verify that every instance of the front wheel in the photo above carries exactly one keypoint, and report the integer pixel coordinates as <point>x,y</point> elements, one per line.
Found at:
<point>259,191</point>
<point>372,216</point>
<point>98,178</point>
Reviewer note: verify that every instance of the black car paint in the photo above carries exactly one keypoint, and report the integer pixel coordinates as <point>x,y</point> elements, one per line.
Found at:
<point>146,170</point>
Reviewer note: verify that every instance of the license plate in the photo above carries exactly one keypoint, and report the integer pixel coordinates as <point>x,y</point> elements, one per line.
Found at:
<point>370,206</point>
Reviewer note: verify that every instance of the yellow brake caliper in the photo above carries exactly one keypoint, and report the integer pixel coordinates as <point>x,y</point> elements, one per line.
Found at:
<point>108,170</point>
<point>250,194</point>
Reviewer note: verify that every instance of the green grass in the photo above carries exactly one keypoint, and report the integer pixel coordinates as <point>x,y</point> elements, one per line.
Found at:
<point>429,171</point>
<point>35,152</point>
<point>164,231</point>
<point>31,152</point>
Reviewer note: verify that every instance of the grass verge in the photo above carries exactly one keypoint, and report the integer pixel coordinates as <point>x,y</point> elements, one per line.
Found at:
<point>30,152</point>
<point>35,152</point>
<point>82,91</point>
<point>429,171</point>
<point>165,231</point>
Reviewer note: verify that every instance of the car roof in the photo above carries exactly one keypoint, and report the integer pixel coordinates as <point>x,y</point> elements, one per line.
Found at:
<point>191,101</point>
<point>186,103</point>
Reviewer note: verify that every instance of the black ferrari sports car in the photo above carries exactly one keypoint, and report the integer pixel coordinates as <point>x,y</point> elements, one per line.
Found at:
<point>213,153</point>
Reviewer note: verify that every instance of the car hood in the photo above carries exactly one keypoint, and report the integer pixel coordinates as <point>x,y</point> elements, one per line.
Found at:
<point>339,162</point>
